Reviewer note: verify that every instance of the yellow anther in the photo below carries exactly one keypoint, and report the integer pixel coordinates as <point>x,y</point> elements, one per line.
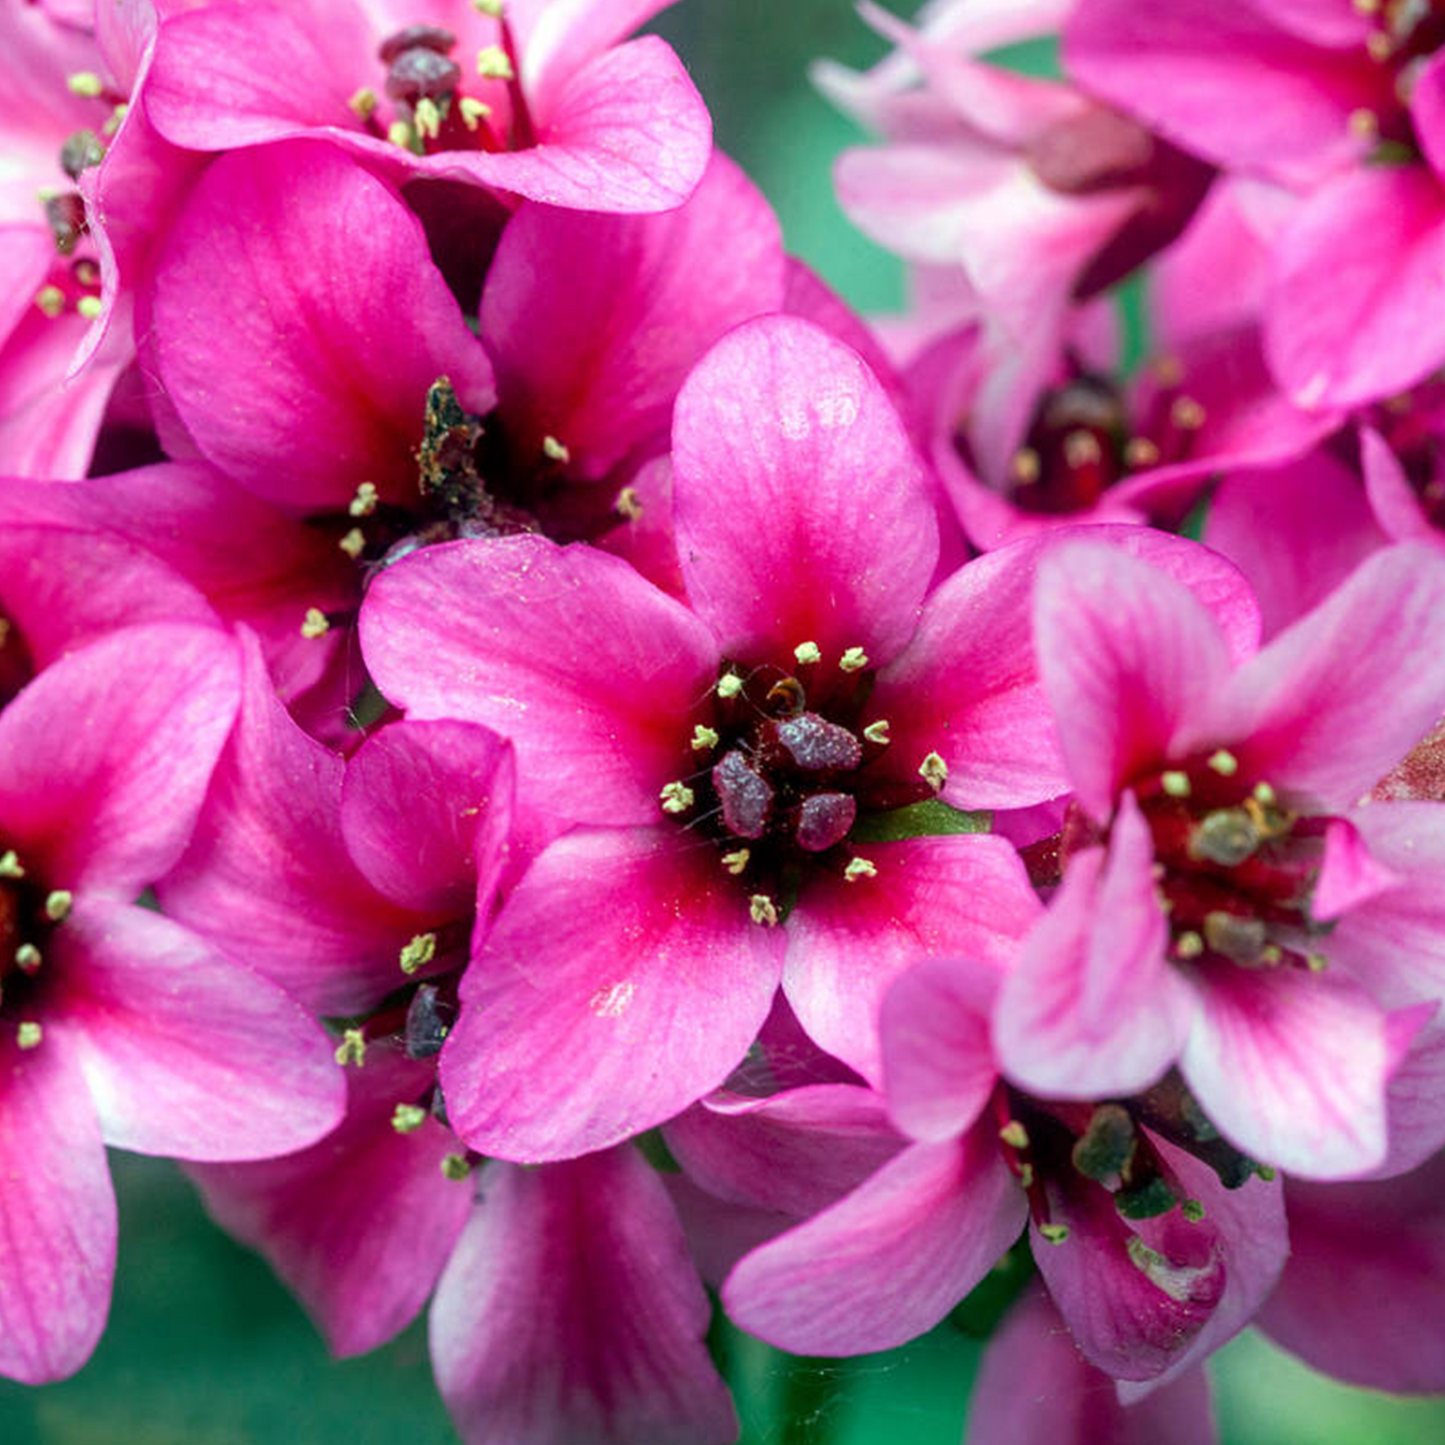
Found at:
<point>1364,123</point>
<point>493,63</point>
<point>352,1048</point>
<point>704,739</point>
<point>1186,413</point>
<point>1189,945</point>
<point>1054,1233</point>
<point>86,83</point>
<point>877,732</point>
<point>736,861</point>
<point>1081,449</point>
<point>859,868</point>
<point>488,7</point>
<point>407,1118</point>
<point>1379,45</point>
<point>677,798</point>
<point>1192,1210</point>
<point>729,685</point>
<point>28,1035</point>
<point>353,543</point>
<point>1368,7</point>
<point>853,660</point>
<point>763,910</point>
<point>554,451</point>
<point>89,307</point>
<point>1025,467</point>
<point>1014,1135</point>
<point>1176,784</point>
<point>808,653</point>
<point>1317,962</point>
<point>1271,954</point>
<point>1224,763</point>
<point>934,771</point>
<point>1266,1172</point>
<point>399,133</point>
<point>1140,452</point>
<point>364,503</point>
<point>363,102</point>
<point>455,1167</point>
<point>1026,1176</point>
<point>428,118</point>
<point>473,111</point>
<point>27,958</point>
<point>1265,795</point>
<point>315,624</point>
<point>418,952</point>
<point>114,119</point>
<point>51,300</point>
<point>58,904</point>
<point>628,504</point>
<point>10,864</point>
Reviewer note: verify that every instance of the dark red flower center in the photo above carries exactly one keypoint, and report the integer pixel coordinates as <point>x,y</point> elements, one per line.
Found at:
<point>29,915</point>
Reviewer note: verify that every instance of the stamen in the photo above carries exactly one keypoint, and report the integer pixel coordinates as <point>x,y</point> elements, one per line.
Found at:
<point>455,1167</point>
<point>853,660</point>
<point>85,83</point>
<point>418,952</point>
<point>877,732</point>
<point>1364,123</point>
<point>1316,962</point>
<point>628,505</point>
<point>1240,939</point>
<point>1140,452</point>
<point>353,543</point>
<point>808,653</point>
<point>677,797</point>
<point>1081,449</point>
<point>363,103</point>
<point>1176,784</point>
<point>115,118</point>
<point>27,958</point>
<point>934,771</point>
<point>493,63</point>
<point>473,111</point>
<point>352,1048</point>
<point>1058,1233</point>
<point>729,685</point>
<point>316,624</point>
<point>1265,794</point>
<point>1014,1135</point>
<point>1224,763</point>
<point>763,910</point>
<point>28,1035</point>
<point>399,133</point>
<point>1192,1210</point>
<point>364,503</point>
<point>737,860</point>
<point>89,307</point>
<point>554,451</point>
<point>406,1118</point>
<point>1169,370</point>
<point>488,7</point>
<point>1024,467</point>
<point>1226,836</point>
<point>10,865</point>
<point>859,868</point>
<point>57,905</point>
<point>1188,945</point>
<point>51,300</point>
<point>1186,413</point>
<point>704,739</point>
<point>428,117</point>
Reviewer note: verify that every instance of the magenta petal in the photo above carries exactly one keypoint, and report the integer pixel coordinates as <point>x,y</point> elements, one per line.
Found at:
<point>57,1215</point>
<point>790,1154</point>
<point>937,1056</point>
<point>186,1052</point>
<point>1150,1314</point>
<point>572,1312</point>
<point>1035,1388</point>
<point>105,757</point>
<point>362,1257</point>
<point>425,812</point>
<point>1393,500</point>
<point>1357,308</point>
<point>1126,654</point>
<point>888,1261</point>
<point>1359,1298</point>
<point>1292,1067</point>
<point>1093,1007</point>
<point>848,941</point>
<point>333,335</point>
<point>801,509</point>
<point>594,320</point>
<point>622,980</point>
<point>1305,712</point>
<point>590,671</point>
<point>1349,875</point>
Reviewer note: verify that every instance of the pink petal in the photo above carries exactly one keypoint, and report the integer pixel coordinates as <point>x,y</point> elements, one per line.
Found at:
<point>1035,1388</point>
<point>593,320</point>
<point>887,1262</point>
<point>363,1257</point>
<point>1359,288</point>
<point>571,1311</point>
<point>1415,1099</point>
<point>565,36</point>
<point>1392,498</point>
<point>425,812</point>
<point>800,506</point>
<point>622,980</point>
<point>1305,712</point>
<point>1291,1067</point>
<point>1139,1317</point>
<point>598,712</point>
<point>105,757</point>
<point>938,1061</point>
<point>1349,875</point>
<point>792,1153</point>
<point>185,1052</point>
<point>1427,110</point>
<point>847,942</point>
<point>57,1215</point>
<point>1093,1007</point>
<point>1126,654</point>
<point>1359,1298</point>
<point>332,335</point>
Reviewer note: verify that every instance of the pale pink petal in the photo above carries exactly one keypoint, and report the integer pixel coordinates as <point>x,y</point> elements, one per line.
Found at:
<point>185,1052</point>
<point>57,1215</point>
<point>1415,1099</point>
<point>848,941</point>
<point>1126,654</point>
<point>1359,1298</point>
<point>622,980</point>
<point>591,672</point>
<point>567,33</point>
<point>800,505</point>
<point>1393,499</point>
<point>105,757</point>
<point>364,1256</point>
<point>1350,875</point>
<point>888,1261</point>
<point>571,1312</point>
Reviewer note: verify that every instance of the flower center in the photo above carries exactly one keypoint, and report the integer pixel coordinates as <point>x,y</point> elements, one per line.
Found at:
<point>29,915</point>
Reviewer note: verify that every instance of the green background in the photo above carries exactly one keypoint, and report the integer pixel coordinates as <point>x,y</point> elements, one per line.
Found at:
<point>205,1348</point>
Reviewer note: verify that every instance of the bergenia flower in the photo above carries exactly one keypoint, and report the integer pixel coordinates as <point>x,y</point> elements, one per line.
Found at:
<point>1224,901</point>
<point>545,99</point>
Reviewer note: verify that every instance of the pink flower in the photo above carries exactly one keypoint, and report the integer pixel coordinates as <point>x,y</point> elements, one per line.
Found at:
<point>118,1026</point>
<point>548,100</point>
<point>1224,901</point>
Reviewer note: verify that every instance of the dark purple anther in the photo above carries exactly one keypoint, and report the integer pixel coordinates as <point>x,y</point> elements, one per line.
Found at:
<point>420,74</point>
<point>823,820</point>
<point>66,214</point>
<point>429,1019</point>
<point>81,150</point>
<point>747,800</point>
<point>418,37</point>
<point>816,745</point>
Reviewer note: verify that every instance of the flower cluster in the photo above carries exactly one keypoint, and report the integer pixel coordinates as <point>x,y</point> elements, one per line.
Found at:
<point>555,767</point>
